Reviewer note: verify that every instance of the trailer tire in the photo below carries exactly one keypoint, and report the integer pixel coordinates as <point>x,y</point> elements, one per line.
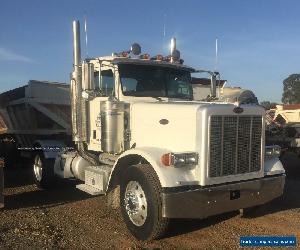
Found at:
<point>9,152</point>
<point>43,171</point>
<point>141,206</point>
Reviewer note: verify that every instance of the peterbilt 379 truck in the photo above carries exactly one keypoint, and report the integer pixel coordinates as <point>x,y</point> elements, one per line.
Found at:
<point>137,129</point>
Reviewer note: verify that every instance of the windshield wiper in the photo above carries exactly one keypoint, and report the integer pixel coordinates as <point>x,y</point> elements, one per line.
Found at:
<point>181,97</point>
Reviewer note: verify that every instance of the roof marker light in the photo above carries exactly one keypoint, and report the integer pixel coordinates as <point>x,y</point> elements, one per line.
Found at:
<point>145,56</point>
<point>159,57</point>
<point>124,54</point>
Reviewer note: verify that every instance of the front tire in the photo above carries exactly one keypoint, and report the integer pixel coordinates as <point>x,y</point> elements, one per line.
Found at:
<point>43,171</point>
<point>141,205</point>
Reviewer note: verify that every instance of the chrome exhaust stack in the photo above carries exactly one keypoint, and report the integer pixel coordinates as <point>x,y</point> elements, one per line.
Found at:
<point>175,54</point>
<point>76,83</point>
<point>173,45</point>
<point>76,44</point>
<point>78,104</point>
<point>213,86</point>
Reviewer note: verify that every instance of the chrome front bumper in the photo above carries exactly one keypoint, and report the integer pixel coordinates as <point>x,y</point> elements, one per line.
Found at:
<point>207,201</point>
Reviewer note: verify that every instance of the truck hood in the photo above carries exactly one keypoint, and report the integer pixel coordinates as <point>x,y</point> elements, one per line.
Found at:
<point>176,125</point>
<point>169,125</point>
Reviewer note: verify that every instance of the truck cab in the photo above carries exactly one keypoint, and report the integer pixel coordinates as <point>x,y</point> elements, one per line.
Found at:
<point>131,80</point>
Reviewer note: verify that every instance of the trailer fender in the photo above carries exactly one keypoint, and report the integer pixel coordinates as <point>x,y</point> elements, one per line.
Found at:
<point>50,148</point>
<point>168,176</point>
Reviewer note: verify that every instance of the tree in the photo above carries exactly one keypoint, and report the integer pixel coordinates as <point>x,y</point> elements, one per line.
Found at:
<point>268,105</point>
<point>291,89</point>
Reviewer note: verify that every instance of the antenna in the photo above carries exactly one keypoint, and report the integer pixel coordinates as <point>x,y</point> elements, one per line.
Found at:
<point>86,38</point>
<point>216,68</point>
<point>164,31</point>
<point>164,25</point>
<point>216,59</point>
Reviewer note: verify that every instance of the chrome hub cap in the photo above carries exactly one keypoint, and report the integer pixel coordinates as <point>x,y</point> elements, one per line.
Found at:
<point>135,203</point>
<point>38,168</point>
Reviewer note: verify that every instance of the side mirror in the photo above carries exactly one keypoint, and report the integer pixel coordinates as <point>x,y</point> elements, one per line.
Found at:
<point>88,76</point>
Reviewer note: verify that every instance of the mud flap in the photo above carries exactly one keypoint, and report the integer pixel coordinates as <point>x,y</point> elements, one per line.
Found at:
<point>113,198</point>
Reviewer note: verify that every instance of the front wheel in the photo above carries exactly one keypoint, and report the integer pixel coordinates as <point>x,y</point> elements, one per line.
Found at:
<point>141,203</point>
<point>43,171</point>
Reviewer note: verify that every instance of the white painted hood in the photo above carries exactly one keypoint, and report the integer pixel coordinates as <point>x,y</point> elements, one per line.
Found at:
<point>171,125</point>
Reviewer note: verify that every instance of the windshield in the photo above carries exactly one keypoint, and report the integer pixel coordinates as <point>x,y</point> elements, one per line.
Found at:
<point>155,81</point>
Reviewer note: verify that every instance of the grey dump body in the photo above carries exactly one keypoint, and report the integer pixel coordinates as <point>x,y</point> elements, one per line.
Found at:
<point>39,110</point>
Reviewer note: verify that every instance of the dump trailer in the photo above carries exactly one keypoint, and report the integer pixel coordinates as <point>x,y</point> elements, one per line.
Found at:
<point>202,90</point>
<point>34,116</point>
<point>283,127</point>
<point>141,138</point>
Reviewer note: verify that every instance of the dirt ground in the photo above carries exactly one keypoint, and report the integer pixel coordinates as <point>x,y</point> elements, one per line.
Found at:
<point>66,218</point>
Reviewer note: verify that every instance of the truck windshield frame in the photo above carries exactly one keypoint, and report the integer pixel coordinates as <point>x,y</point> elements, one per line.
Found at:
<point>155,81</point>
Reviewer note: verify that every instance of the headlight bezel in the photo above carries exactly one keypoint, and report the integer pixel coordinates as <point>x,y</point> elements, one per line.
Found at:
<point>180,159</point>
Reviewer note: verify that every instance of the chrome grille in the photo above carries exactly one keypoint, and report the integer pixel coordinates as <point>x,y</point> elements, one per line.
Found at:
<point>235,145</point>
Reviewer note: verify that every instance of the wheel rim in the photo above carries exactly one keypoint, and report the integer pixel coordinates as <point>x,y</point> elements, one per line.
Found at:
<point>135,203</point>
<point>38,168</point>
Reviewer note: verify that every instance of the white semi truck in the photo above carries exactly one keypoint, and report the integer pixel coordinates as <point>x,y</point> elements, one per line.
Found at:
<point>136,128</point>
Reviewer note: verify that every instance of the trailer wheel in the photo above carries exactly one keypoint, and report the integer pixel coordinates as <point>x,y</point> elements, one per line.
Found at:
<point>9,152</point>
<point>43,171</point>
<point>141,203</point>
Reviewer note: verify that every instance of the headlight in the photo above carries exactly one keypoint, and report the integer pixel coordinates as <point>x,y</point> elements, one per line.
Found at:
<point>179,159</point>
<point>272,151</point>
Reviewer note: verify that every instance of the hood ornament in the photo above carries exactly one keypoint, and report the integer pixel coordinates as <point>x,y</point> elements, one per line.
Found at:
<point>237,109</point>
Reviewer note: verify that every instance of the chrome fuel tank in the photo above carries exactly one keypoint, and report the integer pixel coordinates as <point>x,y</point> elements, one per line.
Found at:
<point>112,126</point>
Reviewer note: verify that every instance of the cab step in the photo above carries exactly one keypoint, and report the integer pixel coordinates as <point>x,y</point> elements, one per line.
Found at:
<point>95,180</point>
<point>90,189</point>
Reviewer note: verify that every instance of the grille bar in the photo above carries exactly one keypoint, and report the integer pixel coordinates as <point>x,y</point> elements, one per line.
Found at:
<point>250,146</point>
<point>222,141</point>
<point>235,145</point>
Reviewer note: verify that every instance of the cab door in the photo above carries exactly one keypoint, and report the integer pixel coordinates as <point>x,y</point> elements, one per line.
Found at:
<point>104,80</point>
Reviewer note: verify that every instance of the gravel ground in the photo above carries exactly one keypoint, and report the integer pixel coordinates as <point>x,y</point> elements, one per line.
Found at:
<point>66,218</point>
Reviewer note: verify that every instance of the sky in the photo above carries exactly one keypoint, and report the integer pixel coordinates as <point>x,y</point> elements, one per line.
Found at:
<point>258,41</point>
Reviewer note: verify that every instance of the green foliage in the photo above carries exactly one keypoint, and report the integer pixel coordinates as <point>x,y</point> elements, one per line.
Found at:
<point>291,89</point>
<point>268,105</point>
